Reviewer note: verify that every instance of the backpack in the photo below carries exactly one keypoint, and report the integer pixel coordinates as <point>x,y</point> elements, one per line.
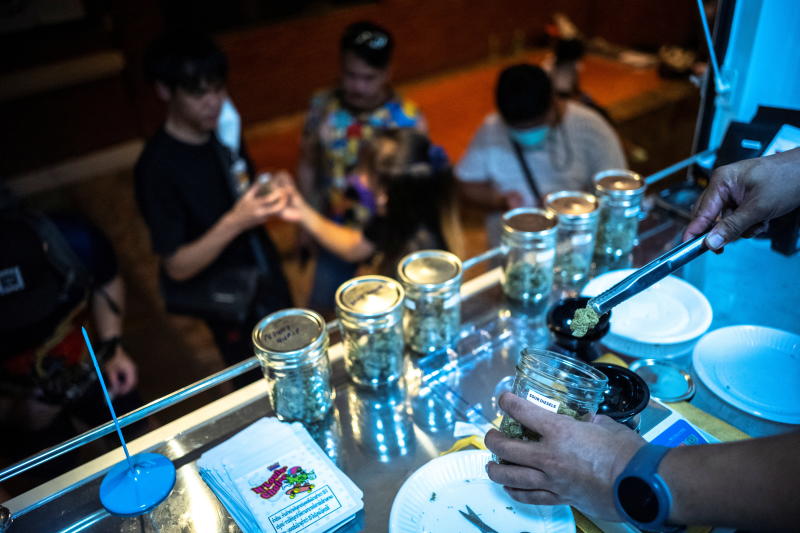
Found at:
<point>41,279</point>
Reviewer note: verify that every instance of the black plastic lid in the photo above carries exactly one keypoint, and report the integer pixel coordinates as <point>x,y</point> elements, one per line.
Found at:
<point>627,394</point>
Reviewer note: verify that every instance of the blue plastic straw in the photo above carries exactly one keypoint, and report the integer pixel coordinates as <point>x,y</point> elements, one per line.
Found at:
<point>108,398</point>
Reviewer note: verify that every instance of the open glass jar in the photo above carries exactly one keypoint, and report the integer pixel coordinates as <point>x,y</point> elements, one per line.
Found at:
<point>370,315</point>
<point>620,193</point>
<point>578,213</point>
<point>529,237</point>
<point>557,383</point>
<point>432,315</point>
<point>292,346</point>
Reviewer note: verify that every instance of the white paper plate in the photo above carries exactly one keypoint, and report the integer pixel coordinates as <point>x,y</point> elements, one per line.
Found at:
<point>429,501</point>
<point>662,321</point>
<point>754,368</point>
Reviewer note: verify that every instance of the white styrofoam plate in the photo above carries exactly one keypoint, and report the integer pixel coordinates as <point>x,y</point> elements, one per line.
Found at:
<point>431,498</point>
<point>662,321</point>
<point>753,368</point>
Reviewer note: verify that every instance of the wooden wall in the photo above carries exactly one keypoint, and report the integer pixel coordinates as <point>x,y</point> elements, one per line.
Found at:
<point>276,67</point>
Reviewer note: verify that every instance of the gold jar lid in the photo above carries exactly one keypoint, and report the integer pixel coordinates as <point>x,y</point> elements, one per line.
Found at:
<point>369,296</point>
<point>429,269</point>
<point>618,182</point>
<point>572,204</point>
<point>289,333</point>
<point>529,222</point>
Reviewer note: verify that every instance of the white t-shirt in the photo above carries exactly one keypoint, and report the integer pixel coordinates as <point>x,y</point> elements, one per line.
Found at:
<point>582,145</point>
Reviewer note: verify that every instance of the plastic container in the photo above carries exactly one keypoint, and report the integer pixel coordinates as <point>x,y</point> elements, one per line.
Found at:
<point>620,193</point>
<point>292,346</point>
<point>578,213</point>
<point>432,315</point>
<point>529,237</point>
<point>370,315</point>
<point>564,342</point>
<point>557,383</point>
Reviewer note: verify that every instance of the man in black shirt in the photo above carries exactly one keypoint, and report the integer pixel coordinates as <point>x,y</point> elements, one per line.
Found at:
<point>204,215</point>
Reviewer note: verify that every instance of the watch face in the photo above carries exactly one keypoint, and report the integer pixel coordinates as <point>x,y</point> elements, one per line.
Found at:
<point>638,499</point>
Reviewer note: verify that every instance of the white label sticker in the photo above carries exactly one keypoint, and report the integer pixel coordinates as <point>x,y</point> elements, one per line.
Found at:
<point>581,239</point>
<point>632,211</point>
<point>541,401</point>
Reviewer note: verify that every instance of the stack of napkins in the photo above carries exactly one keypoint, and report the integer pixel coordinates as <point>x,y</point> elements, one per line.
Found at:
<point>273,477</point>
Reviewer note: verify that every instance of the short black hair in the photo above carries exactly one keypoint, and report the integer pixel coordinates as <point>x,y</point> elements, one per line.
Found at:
<point>371,43</point>
<point>524,92</point>
<point>185,59</point>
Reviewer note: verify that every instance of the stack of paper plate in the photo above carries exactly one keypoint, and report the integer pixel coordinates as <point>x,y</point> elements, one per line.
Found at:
<point>662,322</point>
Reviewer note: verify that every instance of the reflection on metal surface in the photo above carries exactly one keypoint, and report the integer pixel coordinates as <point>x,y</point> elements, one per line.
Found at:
<point>327,434</point>
<point>379,421</point>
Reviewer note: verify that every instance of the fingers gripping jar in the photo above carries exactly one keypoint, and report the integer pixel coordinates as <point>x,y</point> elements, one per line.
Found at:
<point>557,383</point>
<point>620,193</point>
<point>432,315</point>
<point>529,236</point>
<point>578,213</point>
<point>370,311</point>
<point>292,346</point>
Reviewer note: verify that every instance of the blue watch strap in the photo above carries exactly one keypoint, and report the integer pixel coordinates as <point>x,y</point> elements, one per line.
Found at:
<point>641,496</point>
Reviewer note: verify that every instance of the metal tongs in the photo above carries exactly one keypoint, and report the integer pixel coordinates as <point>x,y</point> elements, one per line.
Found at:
<point>648,275</point>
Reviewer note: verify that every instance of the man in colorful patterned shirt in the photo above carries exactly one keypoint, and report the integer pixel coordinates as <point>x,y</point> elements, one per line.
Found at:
<point>339,122</point>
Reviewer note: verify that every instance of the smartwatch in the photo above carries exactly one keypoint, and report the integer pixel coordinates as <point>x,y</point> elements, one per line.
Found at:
<point>641,496</point>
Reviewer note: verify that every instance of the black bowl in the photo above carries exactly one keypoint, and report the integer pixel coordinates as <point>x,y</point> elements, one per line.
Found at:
<point>558,320</point>
<point>627,394</point>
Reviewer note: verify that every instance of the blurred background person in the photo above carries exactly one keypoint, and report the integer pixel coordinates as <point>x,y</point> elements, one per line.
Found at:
<point>338,123</point>
<point>204,214</point>
<point>415,205</point>
<point>533,145</point>
<point>58,273</point>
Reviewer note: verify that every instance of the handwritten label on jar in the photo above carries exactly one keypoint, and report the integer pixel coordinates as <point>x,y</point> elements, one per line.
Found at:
<point>541,401</point>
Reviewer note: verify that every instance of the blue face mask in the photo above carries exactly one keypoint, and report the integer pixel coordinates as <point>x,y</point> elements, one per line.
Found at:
<point>530,138</point>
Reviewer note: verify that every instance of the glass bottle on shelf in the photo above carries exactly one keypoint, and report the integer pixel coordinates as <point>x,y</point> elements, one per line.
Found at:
<point>292,346</point>
<point>578,213</point>
<point>432,315</point>
<point>370,315</point>
<point>529,238</point>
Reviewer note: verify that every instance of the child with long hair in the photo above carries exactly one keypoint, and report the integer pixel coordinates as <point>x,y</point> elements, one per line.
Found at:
<point>414,204</point>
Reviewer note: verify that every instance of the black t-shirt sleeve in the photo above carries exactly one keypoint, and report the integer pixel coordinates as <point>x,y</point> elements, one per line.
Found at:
<point>161,209</point>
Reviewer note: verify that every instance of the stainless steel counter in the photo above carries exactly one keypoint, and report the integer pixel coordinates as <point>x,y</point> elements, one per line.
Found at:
<point>377,437</point>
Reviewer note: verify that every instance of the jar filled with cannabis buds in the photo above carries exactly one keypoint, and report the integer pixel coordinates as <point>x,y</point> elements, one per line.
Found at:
<point>557,383</point>
<point>432,306</point>
<point>529,237</point>
<point>578,213</point>
<point>370,311</point>
<point>620,193</point>
<point>292,346</point>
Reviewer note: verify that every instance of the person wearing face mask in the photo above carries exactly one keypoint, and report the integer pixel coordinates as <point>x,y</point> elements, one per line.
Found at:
<point>338,125</point>
<point>533,145</point>
<point>194,186</point>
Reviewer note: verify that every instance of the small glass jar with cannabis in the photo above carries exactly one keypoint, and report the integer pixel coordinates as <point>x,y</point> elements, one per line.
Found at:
<point>432,315</point>
<point>555,382</point>
<point>620,193</point>
<point>370,311</point>
<point>529,239</point>
<point>578,213</point>
<point>292,346</point>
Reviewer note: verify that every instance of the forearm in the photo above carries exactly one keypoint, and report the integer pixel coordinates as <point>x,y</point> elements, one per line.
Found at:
<point>190,259</point>
<point>752,484</point>
<point>108,320</point>
<point>483,194</point>
<point>347,243</point>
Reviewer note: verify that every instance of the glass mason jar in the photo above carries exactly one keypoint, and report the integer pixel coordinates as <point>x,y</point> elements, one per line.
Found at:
<point>529,237</point>
<point>432,316</point>
<point>370,315</point>
<point>620,193</point>
<point>557,383</point>
<point>578,213</point>
<point>292,346</point>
